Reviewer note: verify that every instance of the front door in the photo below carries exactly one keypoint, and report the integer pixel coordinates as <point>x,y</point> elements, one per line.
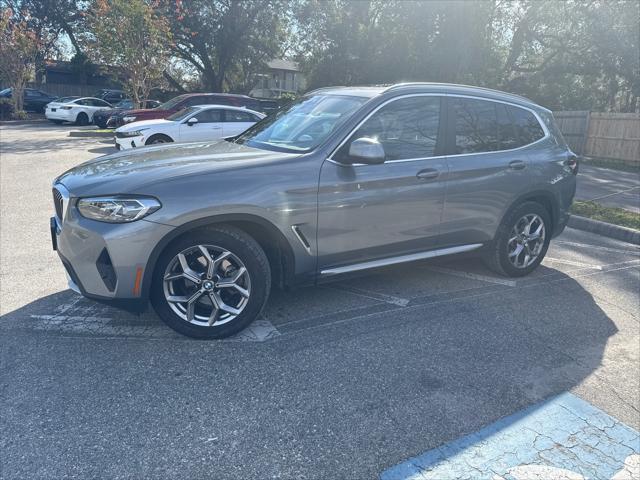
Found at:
<point>370,212</point>
<point>208,127</point>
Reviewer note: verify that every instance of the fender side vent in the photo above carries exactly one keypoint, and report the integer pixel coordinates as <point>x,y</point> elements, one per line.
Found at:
<point>303,240</point>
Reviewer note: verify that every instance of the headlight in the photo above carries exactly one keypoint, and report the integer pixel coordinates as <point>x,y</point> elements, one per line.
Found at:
<point>135,133</point>
<point>117,209</point>
<point>128,119</point>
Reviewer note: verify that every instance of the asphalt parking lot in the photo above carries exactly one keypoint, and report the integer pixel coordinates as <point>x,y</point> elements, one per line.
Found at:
<point>341,381</point>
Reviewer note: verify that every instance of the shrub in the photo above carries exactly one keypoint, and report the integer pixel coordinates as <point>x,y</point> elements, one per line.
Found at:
<point>6,109</point>
<point>19,115</point>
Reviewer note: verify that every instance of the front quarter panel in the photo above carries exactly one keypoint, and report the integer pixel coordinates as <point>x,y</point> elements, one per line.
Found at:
<point>283,193</point>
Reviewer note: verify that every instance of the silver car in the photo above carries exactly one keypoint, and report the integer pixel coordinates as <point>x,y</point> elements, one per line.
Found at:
<point>344,179</point>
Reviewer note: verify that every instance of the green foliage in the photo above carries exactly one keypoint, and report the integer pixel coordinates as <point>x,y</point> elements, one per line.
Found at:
<point>563,54</point>
<point>228,41</point>
<point>18,51</point>
<point>131,35</point>
<point>617,216</point>
<point>19,115</point>
<point>6,108</point>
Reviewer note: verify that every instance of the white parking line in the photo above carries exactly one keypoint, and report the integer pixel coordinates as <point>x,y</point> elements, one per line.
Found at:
<point>598,247</point>
<point>575,264</point>
<point>402,302</point>
<point>473,276</point>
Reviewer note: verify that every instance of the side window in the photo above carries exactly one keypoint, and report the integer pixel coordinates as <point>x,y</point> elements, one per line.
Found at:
<point>476,125</point>
<point>407,128</point>
<point>237,116</point>
<point>193,101</point>
<point>209,116</point>
<point>100,103</point>
<point>85,102</point>
<point>506,129</point>
<point>526,125</point>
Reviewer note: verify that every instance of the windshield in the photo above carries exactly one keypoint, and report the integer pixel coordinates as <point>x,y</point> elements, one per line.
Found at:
<point>124,104</point>
<point>303,125</point>
<point>6,91</point>
<point>171,103</point>
<point>182,114</point>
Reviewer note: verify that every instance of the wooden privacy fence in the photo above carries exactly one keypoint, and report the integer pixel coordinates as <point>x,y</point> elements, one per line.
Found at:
<point>614,136</point>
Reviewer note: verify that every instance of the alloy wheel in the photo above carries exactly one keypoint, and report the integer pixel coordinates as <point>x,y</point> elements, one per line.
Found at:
<point>526,240</point>
<point>206,285</point>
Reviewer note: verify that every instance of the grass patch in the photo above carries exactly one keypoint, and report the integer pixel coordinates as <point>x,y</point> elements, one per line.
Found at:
<point>617,216</point>
<point>612,164</point>
<point>103,130</point>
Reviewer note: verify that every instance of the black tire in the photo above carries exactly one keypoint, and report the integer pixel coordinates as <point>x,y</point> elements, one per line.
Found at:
<point>158,138</point>
<point>82,119</point>
<point>497,256</point>
<point>57,122</point>
<point>242,246</point>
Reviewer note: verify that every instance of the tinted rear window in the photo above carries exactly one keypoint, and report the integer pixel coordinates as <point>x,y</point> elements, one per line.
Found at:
<point>526,124</point>
<point>486,126</point>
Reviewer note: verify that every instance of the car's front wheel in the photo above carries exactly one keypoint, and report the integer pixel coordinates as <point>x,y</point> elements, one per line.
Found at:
<point>521,242</point>
<point>211,283</point>
<point>158,138</point>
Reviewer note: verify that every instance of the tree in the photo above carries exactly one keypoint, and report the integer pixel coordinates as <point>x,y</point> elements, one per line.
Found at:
<point>131,36</point>
<point>227,41</point>
<point>18,50</point>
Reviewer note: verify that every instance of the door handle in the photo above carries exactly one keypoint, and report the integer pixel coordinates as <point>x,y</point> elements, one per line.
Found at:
<point>517,165</point>
<point>216,128</point>
<point>428,174</point>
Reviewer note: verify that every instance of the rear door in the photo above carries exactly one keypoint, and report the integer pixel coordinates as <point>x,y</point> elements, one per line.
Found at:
<point>488,167</point>
<point>237,121</point>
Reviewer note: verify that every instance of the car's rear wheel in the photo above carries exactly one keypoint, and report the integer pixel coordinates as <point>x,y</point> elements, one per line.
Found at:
<point>211,283</point>
<point>521,242</point>
<point>158,138</point>
<point>82,119</point>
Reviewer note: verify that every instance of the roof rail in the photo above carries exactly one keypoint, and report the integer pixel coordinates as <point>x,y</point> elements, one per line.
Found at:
<point>431,84</point>
<point>322,89</point>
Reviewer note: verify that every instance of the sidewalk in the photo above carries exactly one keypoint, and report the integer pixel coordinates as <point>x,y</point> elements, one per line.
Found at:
<point>612,188</point>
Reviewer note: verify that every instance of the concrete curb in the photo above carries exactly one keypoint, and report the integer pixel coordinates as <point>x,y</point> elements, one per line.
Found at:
<point>89,133</point>
<point>23,122</point>
<point>606,229</point>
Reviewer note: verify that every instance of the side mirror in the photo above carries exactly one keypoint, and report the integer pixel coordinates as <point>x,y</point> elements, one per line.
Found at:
<point>192,121</point>
<point>367,150</point>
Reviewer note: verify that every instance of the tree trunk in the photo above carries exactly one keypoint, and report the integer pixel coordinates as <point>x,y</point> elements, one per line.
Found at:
<point>17,95</point>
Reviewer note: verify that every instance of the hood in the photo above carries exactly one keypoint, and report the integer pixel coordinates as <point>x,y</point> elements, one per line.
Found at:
<point>131,171</point>
<point>158,122</point>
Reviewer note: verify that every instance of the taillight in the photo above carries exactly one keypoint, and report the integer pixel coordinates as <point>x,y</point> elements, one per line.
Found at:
<point>66,108</point>
<point>572,163</point>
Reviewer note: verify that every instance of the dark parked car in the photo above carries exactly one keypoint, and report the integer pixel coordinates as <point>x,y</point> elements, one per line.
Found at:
<point>184,101</point>
<point>101,119</point>
<point>342,180</point>
<point>268,106</point>
<point>110,95</point>
<point>34,100</point>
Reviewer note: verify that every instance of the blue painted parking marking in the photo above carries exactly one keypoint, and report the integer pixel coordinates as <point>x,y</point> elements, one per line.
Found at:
<point>564,438</point>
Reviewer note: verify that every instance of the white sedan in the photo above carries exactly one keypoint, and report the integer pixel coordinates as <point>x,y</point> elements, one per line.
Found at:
<point>199,123</point>
<point>78,110</point>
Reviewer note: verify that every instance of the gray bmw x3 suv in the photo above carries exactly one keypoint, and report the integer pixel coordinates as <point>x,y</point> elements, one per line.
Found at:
<point>344,179</point>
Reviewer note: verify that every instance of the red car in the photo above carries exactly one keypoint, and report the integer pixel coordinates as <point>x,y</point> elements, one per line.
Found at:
<point>180,102</point>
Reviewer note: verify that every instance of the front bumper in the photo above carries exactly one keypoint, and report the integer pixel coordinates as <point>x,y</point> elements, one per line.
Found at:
<point>106,262</point>
<point>129,142</point>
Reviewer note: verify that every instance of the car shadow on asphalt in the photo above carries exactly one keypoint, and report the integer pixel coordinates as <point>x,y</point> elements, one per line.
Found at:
<point>384,380</point>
